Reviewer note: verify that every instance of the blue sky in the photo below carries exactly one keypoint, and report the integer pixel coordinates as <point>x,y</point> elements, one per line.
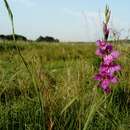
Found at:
<point>68,20</point>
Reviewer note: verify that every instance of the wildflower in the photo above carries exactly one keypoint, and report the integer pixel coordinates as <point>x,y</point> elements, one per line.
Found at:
<point>101,44</point>
<point>108,68</point>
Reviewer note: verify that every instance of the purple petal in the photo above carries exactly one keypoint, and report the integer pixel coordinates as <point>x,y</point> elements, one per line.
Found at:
<point>113,69</point>
<point>98,52</point>
<point>105,83</point>
<point>98,77</point>
<point>105,86</point>
<point>102,44</point>
<point>103,69</point>
<point>107,90</point>
<point>109,48</point>
<point>108,59</point>
<point>98,42</point>
<point>117,67</point>
<point>114,80</point>
<point>115,54</point>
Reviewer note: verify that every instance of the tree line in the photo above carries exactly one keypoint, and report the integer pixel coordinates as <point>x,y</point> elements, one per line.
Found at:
<point>23,38</point>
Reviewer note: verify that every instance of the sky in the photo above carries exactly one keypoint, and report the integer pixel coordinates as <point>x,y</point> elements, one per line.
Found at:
<point>67,20</point>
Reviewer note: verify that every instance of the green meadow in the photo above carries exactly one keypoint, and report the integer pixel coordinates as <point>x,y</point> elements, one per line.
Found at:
<point>51,87</point>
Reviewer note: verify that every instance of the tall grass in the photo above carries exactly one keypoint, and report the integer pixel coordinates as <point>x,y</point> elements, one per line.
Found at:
<point>25,63</point>
<point>63,75</point>
<point>11,16</point>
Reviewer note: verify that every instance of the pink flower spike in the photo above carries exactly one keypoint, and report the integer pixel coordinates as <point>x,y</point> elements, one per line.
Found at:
<point>108,67</point>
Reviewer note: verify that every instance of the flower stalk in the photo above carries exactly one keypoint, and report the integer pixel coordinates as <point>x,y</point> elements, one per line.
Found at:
<point>108,67</point>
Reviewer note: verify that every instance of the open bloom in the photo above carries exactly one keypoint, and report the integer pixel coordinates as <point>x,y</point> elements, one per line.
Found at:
<point>109,69</point>
<point>103,48</point>
<point>101,44</point>
<point>111,57</point>
<point>105,81</point>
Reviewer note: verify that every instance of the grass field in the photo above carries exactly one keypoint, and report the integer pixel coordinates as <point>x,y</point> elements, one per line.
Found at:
<point>53,89</point>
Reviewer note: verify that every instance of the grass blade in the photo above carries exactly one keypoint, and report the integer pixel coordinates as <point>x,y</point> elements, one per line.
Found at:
<point>68,105</point>
<point>11,17</point>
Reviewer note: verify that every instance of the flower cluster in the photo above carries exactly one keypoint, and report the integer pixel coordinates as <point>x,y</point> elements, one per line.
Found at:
<point>108,67</point>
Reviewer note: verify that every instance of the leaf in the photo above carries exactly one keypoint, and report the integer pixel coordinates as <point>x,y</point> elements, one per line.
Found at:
<point>11,17</point>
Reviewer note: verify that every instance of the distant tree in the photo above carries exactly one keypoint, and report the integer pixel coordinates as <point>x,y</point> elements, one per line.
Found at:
<point>40,39</point>
<point>10,37</point>
<point>46,39</point>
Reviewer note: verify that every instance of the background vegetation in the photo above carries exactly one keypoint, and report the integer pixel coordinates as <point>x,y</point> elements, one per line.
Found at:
<point>60,93</point>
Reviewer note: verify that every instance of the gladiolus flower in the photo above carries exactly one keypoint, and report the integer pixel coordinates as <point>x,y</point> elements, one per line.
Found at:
<point>108,68</point>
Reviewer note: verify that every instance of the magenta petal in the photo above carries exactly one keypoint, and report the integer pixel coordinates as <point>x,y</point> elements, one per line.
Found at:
<point>114,80</point>
<point>115,54</point>
<point>101,44</point>
<point>98,77</point>
<point>98,42</point>
<point>105,84</point>
<point>109,48</point>
<point>103,69</point>
<point>117,68</point>
<point>113,69</point>
<point>99,52</point>
<point>108,59</point>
